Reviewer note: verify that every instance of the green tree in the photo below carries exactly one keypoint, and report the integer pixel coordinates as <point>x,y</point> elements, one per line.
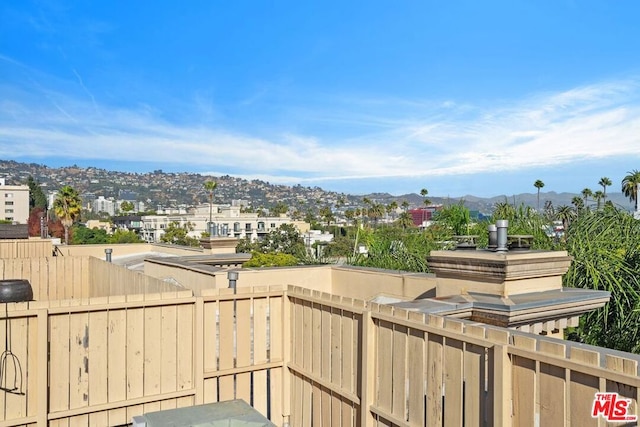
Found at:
<point>260,259</point>
<point>37,198</point>
<point>455,218</point>
<point>376,211</point>
<point>327,215</point>
<point>598,196</point>
<point>565,214</point>
<point>126,206</point>
<point>279,208</point>
<point>404,205</point>
<point>604,182</point>
<point>586,193</point>
<point>285,239</point>
<point>538,184</point>
<point>82,235</point>
<point>424,193</point>
<point>177,234</point>
<point>606,256</point>
<point>67,207</point>
<point>404,221</point>
<point>630,186</point>
<point>124,236</point>
<point>210,187</point>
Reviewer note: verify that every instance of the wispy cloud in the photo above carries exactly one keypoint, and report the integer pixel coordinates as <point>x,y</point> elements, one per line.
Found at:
<point>425,139</point>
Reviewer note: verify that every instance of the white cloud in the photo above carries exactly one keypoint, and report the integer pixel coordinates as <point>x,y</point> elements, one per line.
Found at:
<point>597,121</point>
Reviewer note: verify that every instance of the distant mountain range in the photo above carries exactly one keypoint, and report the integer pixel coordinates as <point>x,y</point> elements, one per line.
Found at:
<point>161,188</point>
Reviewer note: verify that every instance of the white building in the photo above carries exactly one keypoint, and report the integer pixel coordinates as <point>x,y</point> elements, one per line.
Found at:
<point>103,205</point>
<point>227,221</point>
<point>15,202</point>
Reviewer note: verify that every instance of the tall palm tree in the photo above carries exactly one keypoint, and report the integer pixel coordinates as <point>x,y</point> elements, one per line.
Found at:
<point>586,193</point>
<point>210,186</point>
<point>405,205</point>
<point>67,206</point>
<point>604,182</point>
<point>424,192</point>
<point>630,186</point>
<point>598,196</point>
<point>538,184</point>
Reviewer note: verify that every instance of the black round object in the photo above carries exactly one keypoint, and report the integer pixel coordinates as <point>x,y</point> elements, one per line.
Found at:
<point>15,290</point>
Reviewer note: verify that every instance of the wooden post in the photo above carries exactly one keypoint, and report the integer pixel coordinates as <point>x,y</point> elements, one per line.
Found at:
<point>43,367</point>
<point>198,351</point>
<point>368,363</point>
<point>501,374</point>
<point>286,358</point>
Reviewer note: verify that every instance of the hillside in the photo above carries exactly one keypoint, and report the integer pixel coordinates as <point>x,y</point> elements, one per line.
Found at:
<point>172,189</point>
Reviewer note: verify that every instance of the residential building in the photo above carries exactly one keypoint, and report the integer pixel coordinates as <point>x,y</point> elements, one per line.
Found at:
<point>15,202</point>
<point>101,204</point>
<point>227,221</point>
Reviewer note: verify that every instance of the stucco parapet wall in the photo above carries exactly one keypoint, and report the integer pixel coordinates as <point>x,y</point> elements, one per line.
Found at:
<point>206,264</point>
<point>498,267</point>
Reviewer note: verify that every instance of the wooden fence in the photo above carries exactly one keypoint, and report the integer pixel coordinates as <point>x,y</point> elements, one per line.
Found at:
<point>372,365</point>
<point>300,357</point>
<point>101,361</point>
<point>56,278</point>
<point>23,248</point>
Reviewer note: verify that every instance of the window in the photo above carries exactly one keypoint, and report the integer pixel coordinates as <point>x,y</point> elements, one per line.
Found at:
<point>261,226</point>
<point>247,226</point>
<point>8,211</point>
<point>8,195</point>
<point>9,218</point>
<point>8,203</point>
<point>273,225</point>
<point>236,226</point>
<point>161,225</point>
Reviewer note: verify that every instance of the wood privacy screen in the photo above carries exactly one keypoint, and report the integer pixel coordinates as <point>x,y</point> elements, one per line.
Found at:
<point>357,365</point>
<point>298,356</point>
<point>100,361</point>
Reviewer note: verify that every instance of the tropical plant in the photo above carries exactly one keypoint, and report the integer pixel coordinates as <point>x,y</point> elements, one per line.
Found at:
<point>586,193</point>
<point>604,182</point>
<point>538,184</point>
<point>210,187</point>
<point>577,203</point>
<point>424,193</point>
<point>630,186</point>
<point>598,196</point>
<point>82,235</point>
<point>455,218</point>
<point>404,221</point>
<point>565,214</point>
<point>606,256</point>
<point>67,207</point>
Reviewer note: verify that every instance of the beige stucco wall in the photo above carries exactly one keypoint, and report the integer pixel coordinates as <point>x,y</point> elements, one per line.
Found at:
<point>366,283</point>
<point>125,249</point>
<point>190,278</point>
<point>312,277</point>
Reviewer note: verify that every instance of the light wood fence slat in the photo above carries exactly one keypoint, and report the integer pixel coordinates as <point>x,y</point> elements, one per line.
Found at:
<point>583,388</point>
<point>261,331</point>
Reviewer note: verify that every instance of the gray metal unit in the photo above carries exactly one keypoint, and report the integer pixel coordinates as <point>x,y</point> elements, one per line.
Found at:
<point>232,413</point>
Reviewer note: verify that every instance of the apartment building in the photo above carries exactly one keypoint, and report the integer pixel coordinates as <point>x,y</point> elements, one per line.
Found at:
<point>14,201</point>
<point>227,221</point>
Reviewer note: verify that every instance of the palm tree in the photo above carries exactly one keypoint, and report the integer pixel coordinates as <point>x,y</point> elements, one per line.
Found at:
<point>565,214</point>
<point>586,193</point>
<point>538,184</point>
<point>405,205</point>
<point>630,186</point>
<point>578,204</point>
<point>604,182</point>
<point>67,206</point>
<point>424,192</point>
<point>598,196</point>
<point>210,186</point>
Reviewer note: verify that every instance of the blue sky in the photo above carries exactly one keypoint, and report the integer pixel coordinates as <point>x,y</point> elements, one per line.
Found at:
<point>459,97</point>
